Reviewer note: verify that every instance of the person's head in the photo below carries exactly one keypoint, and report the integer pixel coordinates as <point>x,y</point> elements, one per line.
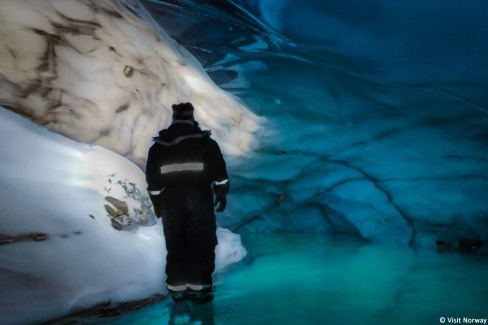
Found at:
<point>183,111</point>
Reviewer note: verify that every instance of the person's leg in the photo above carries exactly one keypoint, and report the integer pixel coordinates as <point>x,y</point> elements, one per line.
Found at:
<point>175,232</point>
<point>202,251</point>
<point>201,241</point>
<point>202,265</point>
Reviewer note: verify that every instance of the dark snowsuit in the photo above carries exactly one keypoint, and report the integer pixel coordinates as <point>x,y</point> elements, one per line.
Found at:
<point>185,163</point>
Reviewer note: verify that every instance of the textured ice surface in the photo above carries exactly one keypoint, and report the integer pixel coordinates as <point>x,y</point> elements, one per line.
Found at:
<point>379,111</point>
<point>388,142</point>
<point>104,73</point>
<point>309,279</point>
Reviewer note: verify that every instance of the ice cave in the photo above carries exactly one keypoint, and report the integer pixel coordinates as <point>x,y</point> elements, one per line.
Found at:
<point>355,135</point>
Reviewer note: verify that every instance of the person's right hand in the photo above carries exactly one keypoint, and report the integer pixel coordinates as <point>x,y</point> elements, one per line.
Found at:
<point>220,203</point>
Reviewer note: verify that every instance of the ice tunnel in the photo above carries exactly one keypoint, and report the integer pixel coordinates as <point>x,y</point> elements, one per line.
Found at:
<point>356,140</point>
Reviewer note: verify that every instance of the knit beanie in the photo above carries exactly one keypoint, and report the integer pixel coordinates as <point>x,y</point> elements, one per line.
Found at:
<point>183,111</point>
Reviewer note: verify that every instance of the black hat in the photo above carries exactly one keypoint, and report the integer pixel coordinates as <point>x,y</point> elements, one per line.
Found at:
<point>183,111</point>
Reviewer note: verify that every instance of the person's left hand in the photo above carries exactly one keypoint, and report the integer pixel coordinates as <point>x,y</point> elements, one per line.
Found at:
<point>220,203</point>
<point>156,205</point>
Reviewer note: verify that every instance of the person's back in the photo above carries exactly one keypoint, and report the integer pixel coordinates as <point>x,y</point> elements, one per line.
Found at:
<point>184,165</point>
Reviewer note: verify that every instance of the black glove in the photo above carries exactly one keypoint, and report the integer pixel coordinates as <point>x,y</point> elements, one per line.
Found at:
<point>155,200</point>
<point>221,201</point>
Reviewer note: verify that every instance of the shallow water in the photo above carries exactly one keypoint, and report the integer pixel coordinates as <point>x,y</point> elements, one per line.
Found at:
<point>310,279</point>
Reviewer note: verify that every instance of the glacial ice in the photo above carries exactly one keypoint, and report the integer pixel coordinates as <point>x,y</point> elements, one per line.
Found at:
<point>63,66</point>
<point>375,126</point>
<point>377,112</point>
<point>312,279</point>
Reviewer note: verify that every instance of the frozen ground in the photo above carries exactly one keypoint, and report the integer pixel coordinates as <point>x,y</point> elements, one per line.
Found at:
<point>310,279</point>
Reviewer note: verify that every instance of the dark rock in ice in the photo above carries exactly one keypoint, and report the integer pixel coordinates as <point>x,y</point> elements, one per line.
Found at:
<point>9,239</point>
<point>105,310</point>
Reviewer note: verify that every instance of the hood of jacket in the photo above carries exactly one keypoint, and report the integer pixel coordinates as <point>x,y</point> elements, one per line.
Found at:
<point>180,131</point>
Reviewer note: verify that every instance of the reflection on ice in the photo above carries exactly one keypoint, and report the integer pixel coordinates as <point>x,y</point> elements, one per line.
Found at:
<point>309,279</point>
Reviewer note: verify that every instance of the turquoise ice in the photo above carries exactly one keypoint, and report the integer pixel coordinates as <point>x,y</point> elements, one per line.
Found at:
<point>311,279</point>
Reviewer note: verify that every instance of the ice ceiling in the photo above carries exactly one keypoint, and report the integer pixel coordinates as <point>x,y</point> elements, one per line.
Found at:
<point>380,110</point>
<point>359,117</point>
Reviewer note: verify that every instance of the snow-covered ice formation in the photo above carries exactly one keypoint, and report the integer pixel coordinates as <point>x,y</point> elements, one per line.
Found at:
<point>58,249</point>
<point>103,72</point>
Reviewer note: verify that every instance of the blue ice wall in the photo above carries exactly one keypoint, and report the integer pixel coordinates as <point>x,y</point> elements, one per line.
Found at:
<point>377,111</point>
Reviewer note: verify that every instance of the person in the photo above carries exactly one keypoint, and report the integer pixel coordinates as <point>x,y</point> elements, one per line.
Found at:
<point>187,177</point>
